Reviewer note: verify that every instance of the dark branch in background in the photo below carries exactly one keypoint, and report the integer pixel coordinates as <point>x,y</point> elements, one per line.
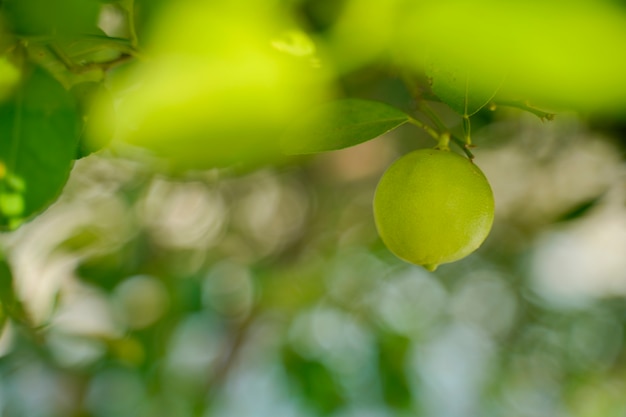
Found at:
<point>228,357</point>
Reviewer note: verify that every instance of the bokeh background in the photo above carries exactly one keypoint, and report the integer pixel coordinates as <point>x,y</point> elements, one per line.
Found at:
<point>151,292</point>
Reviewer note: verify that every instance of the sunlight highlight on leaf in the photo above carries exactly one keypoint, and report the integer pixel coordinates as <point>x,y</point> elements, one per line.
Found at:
<point>9,78</point>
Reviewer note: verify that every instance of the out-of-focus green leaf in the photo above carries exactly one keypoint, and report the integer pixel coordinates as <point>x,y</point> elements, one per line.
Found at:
<point>340,124</point>
<point>49,57</point>
<point>106,270</point>
<point>555,54</point>
<point>85,94</point>
<point>9,77</point>
<point>7,297</point>
<point>363,31</point>
<point>316,383</point>
<point>150,10</point>
<point>222,82</point>
<point>392,352</point>
<point>94,48</point>
<point>9,303</point>
<point>39,130</point>
<point>579,210</point>
<point>58,18</point>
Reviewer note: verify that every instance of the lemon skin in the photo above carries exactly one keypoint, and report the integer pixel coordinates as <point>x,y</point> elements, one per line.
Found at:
<point>433,207</point>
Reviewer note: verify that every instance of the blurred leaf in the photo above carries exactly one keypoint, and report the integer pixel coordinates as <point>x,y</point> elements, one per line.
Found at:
<point>459,88</point>
<point>57,63</point>
<point>11,305</point>
<point>80,239</point>
<point>373,21</point>
<point>150,10</point>
<point>340,124</point>
<point>289,290</point>
<point>9,77</point>
<point>85,94</point>
<point>44,17</point>
<point>187,296</point>
<point>97,47</point>
<point>198,103</point>
<point>7,297</point>
<point>392,352</point>
<point>315,381</point>
<point>579,210</point>
<point>555,65</point>
<point>107,270</point>
<point>39,128</point>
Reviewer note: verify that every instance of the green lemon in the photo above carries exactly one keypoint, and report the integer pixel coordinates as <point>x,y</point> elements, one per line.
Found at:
<point>433,207</point>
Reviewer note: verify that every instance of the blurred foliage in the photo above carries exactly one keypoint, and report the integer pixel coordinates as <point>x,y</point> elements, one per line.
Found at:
<point>163,257</point>
<point>39,129</point>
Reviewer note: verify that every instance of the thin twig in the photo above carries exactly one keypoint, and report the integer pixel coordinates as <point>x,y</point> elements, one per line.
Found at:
<point>432,132</point>
<point>523,105</point>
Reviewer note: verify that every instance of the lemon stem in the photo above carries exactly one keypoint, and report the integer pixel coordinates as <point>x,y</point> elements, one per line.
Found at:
<point>467,129</point>
<point>444,142</point>
<point>433,133</point>
<point>424,108</point>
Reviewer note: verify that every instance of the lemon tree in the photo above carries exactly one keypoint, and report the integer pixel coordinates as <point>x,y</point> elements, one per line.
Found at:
<point>188,86</point>
<point>181,259</point>
<point>433,207</point>
<point>229,85</point>
<point>191,85</point>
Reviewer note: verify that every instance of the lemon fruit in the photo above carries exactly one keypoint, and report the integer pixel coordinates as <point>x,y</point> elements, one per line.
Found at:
<point>433,207</point>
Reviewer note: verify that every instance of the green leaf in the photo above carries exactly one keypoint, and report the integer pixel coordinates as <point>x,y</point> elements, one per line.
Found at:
<point>314,381</point>
<point>57,63</point>
<point>7,296</point>
<point>10,304</point>
<point>58,18</point>
<point>465,92</point>
<point>9,77</point>
<point>39,131</point>
<point>392,353</point>
<point>579,210</point>
<point>340,124</point>
<point>85,94</point>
